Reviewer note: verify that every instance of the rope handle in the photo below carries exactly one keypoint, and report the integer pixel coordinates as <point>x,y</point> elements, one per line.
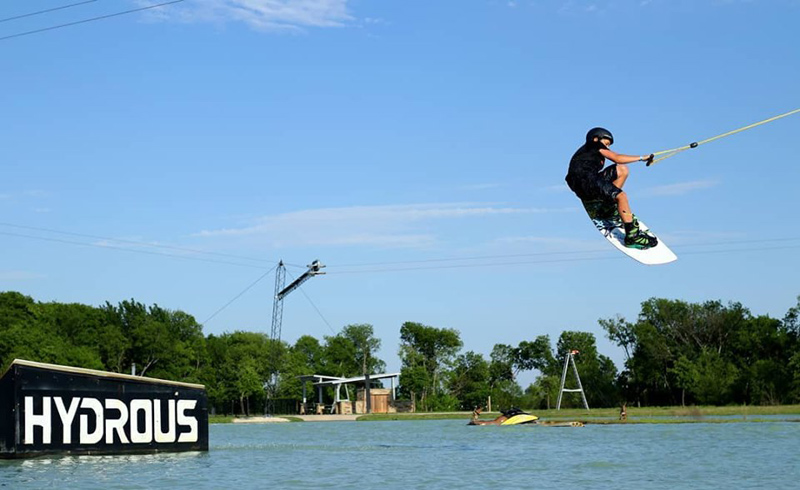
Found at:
<point>675,151</point>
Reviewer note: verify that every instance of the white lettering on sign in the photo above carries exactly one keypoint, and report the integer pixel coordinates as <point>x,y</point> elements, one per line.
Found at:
<point>139,421</point>
<point>33,420</point>
<point>67,416</point>
<point>117,425</point>
<point>184,405</point>
<point>141,434</point>
<point>169,435</point>
<point>97,435</point>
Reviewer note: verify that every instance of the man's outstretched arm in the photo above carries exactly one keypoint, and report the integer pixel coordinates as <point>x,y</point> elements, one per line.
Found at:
<point>624,159</point>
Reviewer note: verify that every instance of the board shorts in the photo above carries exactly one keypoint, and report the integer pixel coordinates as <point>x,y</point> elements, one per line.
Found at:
<point>595,187</point>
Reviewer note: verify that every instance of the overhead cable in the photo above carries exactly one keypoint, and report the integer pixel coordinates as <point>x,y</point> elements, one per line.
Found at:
<point>134,242</point>
<point>376,266</point>
<point>85,21</point>
<point>314,306</point>
<point>248,288</point>
<point>125,249</point>
<point>46,11</point>
<point>424,264</point>
<point>606,255</point>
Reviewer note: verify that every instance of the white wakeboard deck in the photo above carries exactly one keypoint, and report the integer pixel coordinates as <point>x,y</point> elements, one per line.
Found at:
<point>614,232</point>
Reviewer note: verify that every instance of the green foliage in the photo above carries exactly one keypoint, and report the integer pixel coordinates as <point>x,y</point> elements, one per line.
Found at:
<point>426,352</point>
<point>468,382</point>
<point>366,344</point>
<point>534,355</point>
<point>506,394</point>
<point>707,353</point>
<point>794,366</point>
<point>508,362</point>
<point>675,353</point>
<point>352,352</point>
<point>303,358</point>
<point>502,366</point>
<point>543,393</point>
<point>339,357</point>
<point>791,322</point>
<point>715,379</point>
<point>441,402</point>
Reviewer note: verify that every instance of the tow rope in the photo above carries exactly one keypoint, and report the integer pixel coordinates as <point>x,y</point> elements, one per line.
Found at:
<point>675,151</point>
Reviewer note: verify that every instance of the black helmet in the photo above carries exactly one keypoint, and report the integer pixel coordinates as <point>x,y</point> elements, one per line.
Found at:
<point>599,133</point>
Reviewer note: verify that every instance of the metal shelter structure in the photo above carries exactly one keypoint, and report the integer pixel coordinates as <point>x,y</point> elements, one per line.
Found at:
<point>320,381</point>
<point>271,386</point>
<point>570,359</point>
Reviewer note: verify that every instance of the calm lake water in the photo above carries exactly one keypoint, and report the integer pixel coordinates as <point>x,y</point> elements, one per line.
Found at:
<point>445,454</point>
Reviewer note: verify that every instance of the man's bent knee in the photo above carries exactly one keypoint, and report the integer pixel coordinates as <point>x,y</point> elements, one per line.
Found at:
<point>622,171</point>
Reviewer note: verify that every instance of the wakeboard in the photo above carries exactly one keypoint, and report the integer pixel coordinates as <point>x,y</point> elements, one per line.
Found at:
<point>608,222</point>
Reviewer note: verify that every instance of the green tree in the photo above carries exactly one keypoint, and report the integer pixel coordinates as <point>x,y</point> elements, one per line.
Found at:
<point>339,357</point>
<point>366,345</point>
<point>534,355</point>
<point>304,357</point>
<point>676,350</point>
<point>310,352</point>
<point>249,355</point>
<point>715,379</point>
<point>791,324</point>
<point>426,353</point>
<point>218,378</point>
<point>47,332</point>
<point>469,380</point>
<point>240,364</point>
<point>503,370</point>
<point>543,393</point>
<point>508,362</point>
<point>686,377</point>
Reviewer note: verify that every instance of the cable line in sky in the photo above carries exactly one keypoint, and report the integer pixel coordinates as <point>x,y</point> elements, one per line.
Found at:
<point>92,19</point>
<point>332,270</point>
<point>314,306</point>
<point>537,254</point>
<point>374,267</point>
<point>125,249</point>
<point>46,11</point>
<point>135,242</point>
<point>248,288</point>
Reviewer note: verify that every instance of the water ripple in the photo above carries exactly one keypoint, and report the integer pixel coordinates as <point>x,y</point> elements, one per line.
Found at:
<point>442,454</point>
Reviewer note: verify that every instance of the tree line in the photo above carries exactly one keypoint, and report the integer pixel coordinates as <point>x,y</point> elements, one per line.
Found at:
<point>675,353</point>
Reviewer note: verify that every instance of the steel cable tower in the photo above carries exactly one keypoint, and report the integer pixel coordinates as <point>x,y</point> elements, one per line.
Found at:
<point>271,386</point>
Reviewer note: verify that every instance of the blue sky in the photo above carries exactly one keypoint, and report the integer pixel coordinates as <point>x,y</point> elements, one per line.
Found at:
<point>383,135</point>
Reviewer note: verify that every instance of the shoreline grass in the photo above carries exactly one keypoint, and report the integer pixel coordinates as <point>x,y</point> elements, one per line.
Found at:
<point>220,419</point>
<point>603,416</point>
<point>636,415</point>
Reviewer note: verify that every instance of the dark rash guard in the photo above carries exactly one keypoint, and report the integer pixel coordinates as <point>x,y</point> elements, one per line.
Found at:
<point>586,176</point>
<point>587,160</point>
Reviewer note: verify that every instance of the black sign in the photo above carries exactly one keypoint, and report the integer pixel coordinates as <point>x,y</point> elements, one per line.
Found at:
<point>46,409</point>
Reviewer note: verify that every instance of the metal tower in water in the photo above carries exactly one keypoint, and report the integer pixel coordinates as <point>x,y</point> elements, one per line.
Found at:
<point>567,360</point>
<point>271,386</point>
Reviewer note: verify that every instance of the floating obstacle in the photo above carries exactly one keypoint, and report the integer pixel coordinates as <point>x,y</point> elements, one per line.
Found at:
<point>557,423</point>
<point>52,409</point>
